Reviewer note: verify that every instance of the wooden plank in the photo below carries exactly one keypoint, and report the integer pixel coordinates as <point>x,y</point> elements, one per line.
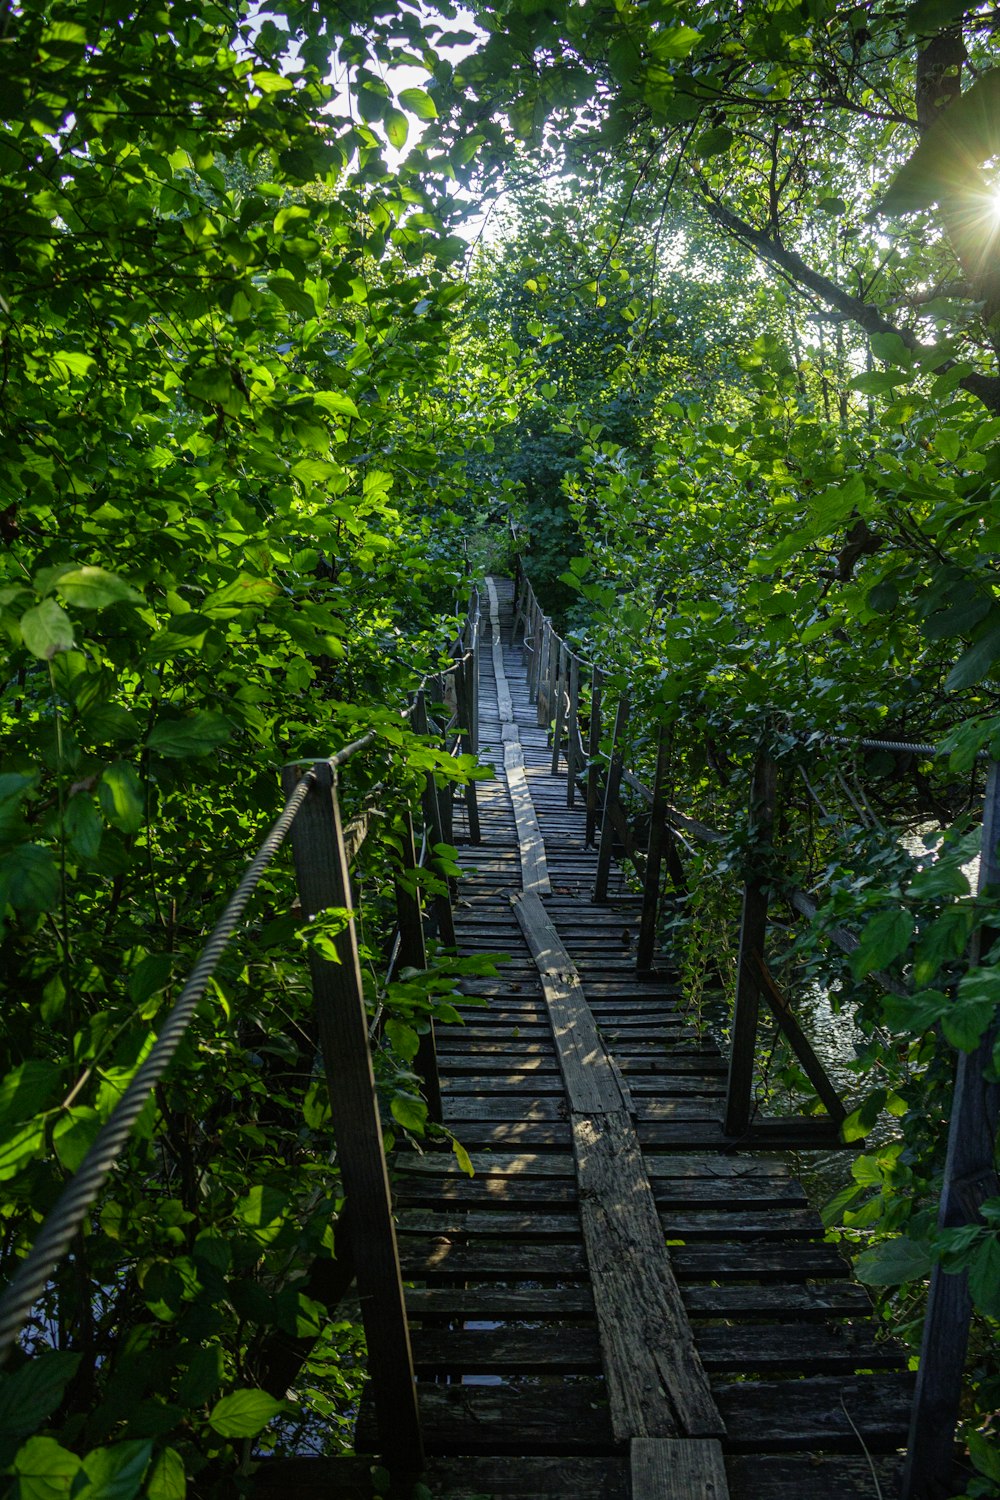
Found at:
<point>498,1351</point>
<point>465,1478</point>
<point>833,1412</point>
<point>531,845</point>
<point>799,1305</point>
<point>677,1469</point>
<point>570,1417</point>
<point>505,706</point>
<point>794,1477</point>
<point>682,1169</point>
<point>323,882</point>
<point>591,1086</point>
<point>777,1265</point>
<point>657,1386</point>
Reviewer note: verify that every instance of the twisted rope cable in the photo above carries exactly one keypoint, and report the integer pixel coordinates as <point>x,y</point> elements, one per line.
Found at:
<point>65,1218</point>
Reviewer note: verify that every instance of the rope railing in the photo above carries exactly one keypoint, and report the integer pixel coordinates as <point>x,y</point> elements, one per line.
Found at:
<point>324,849</point>
<point>68,1213</point>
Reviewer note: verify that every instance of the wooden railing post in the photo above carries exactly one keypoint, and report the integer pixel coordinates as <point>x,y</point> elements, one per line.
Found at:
<point>323,882</point>
<point>560,724</point>
<point>538,638</point>
<point>753,929</point>
<point>970,1178</point>
<point>466,709</point>
<point>610,803</point>
<point>444,920</point>
<point>654,859</point>
<point>573,734</point>
<point>593,751</point>
<point>413,955</point>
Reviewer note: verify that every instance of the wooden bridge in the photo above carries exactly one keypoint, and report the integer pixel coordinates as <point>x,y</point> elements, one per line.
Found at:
<point>618,1303</point>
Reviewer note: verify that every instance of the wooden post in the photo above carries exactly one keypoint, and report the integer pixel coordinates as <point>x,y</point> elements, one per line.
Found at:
<point>542,675</point>
<point>323,882</point>
<point>444,921</point>
<point>654,859</point>
<point>476,633</point>
<point>969,1179</point>
<point>555,651</point>
<point>610,804</point>
<point>537,637</point>
<point>753,929</point>
<point>413,955</point>
<point>593,751</point>
<point>466,710</point>
<point>560,724</point>
<point>574,730</point>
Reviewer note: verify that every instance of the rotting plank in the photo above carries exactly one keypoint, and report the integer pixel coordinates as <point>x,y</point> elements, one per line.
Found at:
<point>657,1386</point>
<point>591,1085</point>
<point>531,846</point>
<point>677,1469</point>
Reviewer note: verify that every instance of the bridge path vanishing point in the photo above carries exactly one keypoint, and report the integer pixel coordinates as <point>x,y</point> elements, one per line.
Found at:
<point>615,1305</point>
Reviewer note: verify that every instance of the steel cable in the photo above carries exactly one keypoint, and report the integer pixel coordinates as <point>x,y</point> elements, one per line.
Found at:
<point>65,1218</point>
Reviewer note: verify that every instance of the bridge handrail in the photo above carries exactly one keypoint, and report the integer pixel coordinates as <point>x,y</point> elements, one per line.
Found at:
<point>975,1101</point>
<point>310,815</point>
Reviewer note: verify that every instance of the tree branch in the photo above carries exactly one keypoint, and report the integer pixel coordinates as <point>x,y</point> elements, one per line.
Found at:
<point>986,388</point>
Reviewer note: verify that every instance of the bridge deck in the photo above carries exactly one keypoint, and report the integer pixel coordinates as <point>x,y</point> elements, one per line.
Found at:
<point>561,1350</point>
<point>506,1337</point>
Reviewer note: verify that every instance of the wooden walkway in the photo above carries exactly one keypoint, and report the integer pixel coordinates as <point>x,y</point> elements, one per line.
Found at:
<point>614,1305</point>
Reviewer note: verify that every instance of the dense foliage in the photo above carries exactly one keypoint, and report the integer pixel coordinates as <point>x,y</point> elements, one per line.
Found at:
<point>733,354</point>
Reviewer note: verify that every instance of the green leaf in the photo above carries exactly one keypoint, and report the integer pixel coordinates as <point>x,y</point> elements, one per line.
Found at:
<point>977,662</point>
<point>93,588</point>
<point>83,825</point>
<point>149,976</point>
<point>244,1413</point>
<point>419,103</point>
<point>34,1391</point>
<point>714,142</point>
<point>70,362</point>
<point>893,1262</point>
<point>958,619</point>
<point>27,1089</point>
<point>168,1480</point>
<point>19,1147</point>
<point>47,629</point>
<point>199,734</point>
<point>262,1211</point>
<point>410,1111</point>
<point>203,1377</point>
<point>462,1157</point>
<point>29,878</point>
<point>293,296</point>
<point>74,1134</point>
<point>675,44</point>
<point>984,1275</point>
<point>243,593</point>
<point>114,1473</point>
<point>886,935</point>
<point>403,1039</point>
<point>985,1455</point>
<point>122,798</point>
<point>336,403</point>
<point>396,128</point>
<point>45,1471</point>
